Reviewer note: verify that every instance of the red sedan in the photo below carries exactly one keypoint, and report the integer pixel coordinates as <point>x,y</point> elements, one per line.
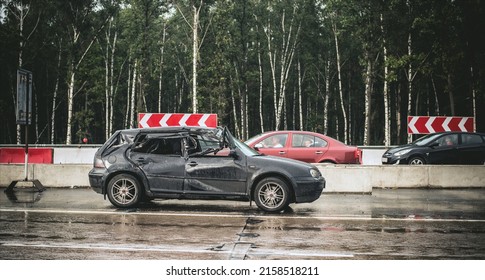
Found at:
<point>305,146</point>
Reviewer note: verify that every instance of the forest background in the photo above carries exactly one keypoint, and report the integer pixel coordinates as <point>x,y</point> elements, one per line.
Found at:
<point>351,69</point>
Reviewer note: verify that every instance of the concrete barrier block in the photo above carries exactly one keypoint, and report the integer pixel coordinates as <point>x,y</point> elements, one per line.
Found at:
<point>346,178</point>
<point>339,178</point>
<point>399,176</point>
<point>62,175</point>
<point>13,172</point>
<point>456,175</point>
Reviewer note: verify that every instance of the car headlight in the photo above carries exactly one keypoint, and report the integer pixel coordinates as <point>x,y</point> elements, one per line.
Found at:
<point>315,173</point>
<point>403,152</point>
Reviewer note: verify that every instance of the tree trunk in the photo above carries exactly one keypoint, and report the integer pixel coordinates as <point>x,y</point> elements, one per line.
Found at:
<point>111,89</point>
<point>128,99</point>
<point>300,105</point>
<point>195,54</point>
<point>368,97</point>
<point>54,95</point>
<point>341,93</point>
<point>450,94</point>
<point>70,103</point>
<point>410,82</point>
<point>327,98</point>
<point>234,111</point>
<point>474,98</point>
<point>260,89</point>
<point>162,50</point>
<point>106,84</point>
<point>387,119</point>
<point>436,102</point>
<point>133,95</point>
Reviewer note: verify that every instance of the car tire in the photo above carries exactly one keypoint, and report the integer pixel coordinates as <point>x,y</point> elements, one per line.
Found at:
<point>272,194</point>
<point>416,161</point>
<point>124,191</point>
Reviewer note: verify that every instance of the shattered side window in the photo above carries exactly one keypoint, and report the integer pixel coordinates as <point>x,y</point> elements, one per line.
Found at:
<point>207,144</point>
<point>116,141</point>
<point>159,146</point>
<point>207,141</point>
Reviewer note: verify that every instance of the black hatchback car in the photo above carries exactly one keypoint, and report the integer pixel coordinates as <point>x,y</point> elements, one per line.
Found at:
<point>440,148</point>
<point>197,163</point>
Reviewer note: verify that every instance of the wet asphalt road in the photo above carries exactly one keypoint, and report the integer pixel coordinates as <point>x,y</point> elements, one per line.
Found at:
<point>389,224</point>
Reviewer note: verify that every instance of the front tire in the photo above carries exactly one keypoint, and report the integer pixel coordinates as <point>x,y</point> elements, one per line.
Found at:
<point>272,194</point>
<point>124,191</point>
<point>416,161</point>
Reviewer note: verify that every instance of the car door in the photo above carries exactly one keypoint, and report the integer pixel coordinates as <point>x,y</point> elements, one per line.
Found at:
<point>307,147</point>
<point>471,149</point>
<point>214,174</point>
<point>444,150</point>
<point>274,145</point>
<point>161,161</point>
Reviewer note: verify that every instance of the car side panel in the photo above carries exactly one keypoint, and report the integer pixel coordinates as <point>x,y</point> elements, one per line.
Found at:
<point>471,153</point>
<point>163,173</point>
<point>216,175</point>
<point>307,154</point>
<point>311,154</point>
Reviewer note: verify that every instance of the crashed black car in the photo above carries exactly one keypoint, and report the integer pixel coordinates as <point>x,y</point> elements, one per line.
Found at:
<point>440,148</point>
<point>198,163</point>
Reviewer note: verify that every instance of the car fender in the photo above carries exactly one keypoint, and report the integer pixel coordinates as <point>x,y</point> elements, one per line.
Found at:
<point>328,160</point>
<point>270,166</point>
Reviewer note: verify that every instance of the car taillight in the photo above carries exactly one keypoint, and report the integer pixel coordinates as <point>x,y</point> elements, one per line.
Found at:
<point>98,163</point>
<point>358,155</point>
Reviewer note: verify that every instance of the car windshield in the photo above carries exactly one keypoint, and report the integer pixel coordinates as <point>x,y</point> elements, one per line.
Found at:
<point>248,151</point>
<point>252,139</point>
<point>426,140</point>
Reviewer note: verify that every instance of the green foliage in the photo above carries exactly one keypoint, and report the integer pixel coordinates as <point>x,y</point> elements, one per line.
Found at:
<point>446,48</point>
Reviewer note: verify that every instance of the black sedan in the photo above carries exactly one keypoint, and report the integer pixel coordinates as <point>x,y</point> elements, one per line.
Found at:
<point>198,163</point>
<point>440,148</point>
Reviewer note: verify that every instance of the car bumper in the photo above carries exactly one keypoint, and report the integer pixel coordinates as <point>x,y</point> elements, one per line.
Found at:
<point>393,160</point>
<point>97,179</point>
<point>309,189</point>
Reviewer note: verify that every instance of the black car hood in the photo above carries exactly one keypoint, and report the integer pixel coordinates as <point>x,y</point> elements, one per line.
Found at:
<point>400,148</point>
<point>298,168</point>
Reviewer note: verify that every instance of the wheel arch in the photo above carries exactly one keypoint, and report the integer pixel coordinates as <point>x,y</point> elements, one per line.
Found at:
<point>328,161</point>
<point>280,176</point>
<point>420,156</point>
<point>128,172</point>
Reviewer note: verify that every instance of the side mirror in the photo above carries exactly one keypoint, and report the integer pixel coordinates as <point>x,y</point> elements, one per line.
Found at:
<point>434,145</point>
<point>258,146</point>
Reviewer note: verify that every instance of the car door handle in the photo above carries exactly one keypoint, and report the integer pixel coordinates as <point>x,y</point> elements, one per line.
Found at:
<point>318,152</point>
<point>193,163</point>
<point>281,152</point>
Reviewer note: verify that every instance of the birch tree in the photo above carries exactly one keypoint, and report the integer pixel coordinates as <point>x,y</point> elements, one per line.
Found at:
<point>196,7</point>
<point>339,78</point>
<point>385,90</point>
<point>281,47</point>
<point>82,33</point>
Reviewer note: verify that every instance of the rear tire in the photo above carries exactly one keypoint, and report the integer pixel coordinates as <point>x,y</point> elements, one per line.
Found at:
<point>272,194</point>
<point>124,191</point>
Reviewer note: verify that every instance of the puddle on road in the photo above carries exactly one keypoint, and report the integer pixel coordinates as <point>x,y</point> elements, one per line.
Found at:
<point>27,196</point>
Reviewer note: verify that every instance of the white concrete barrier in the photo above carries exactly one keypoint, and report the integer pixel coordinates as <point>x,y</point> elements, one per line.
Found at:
<point>74,155</point>
<point>84,154</point>
<point>361,179</point>
<point>340,178</point>
<point>50,175</point>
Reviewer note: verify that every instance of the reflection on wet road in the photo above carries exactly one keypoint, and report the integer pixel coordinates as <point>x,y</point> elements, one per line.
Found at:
<point>389,224</point>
